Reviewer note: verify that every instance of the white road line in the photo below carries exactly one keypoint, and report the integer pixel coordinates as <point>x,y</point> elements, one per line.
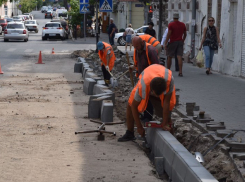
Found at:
<point>11,50</point>
<point>28,50</point>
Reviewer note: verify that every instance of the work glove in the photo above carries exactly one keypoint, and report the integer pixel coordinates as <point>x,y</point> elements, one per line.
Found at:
<point>107,68</point>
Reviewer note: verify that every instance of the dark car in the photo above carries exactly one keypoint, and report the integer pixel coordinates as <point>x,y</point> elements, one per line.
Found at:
<point>48,14</point>
<point>64,25</point>
<point>3,23</point>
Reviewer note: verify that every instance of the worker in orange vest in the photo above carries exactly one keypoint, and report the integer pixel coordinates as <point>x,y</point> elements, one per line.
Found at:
<point>108,58</point>
<point>144,55</point>
<point>153,41</point>
<point>156,83</point>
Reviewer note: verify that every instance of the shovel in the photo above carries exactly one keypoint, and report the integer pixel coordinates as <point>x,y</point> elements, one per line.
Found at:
<point>113,80</point>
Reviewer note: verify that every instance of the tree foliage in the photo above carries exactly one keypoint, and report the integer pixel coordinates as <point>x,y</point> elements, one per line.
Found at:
<point>76,17</point>
<point>4,1</point>
<point>27,6</point>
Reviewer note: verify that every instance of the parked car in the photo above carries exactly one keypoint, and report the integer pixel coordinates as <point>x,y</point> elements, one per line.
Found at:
<point>18,19</point>
<point>1,30</point>
<point>9,20</point>
<point>44,9</point>
<point>3,23</point>
<point>17,31</point>
<point>48,14</point>
<point>65,26</point>
<point>53,30</point>
<point>119,36</point>
<point>31,25</point>
<point>61,13</point>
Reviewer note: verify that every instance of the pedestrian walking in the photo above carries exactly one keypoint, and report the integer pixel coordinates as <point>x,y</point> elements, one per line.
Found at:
<point>156,84</point>
<point>162,43</point>
<point>144,56</point>
<point>154,42</point>
<point>210,42</point>
<point>150,30</point>
<point>111,31</point>
<point>108,58</point>
<point>177,35</point>
<point>128,32</point>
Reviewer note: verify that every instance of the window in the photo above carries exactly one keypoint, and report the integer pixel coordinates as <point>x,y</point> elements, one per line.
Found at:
<point>15,26</point>
<point>219,13</point>
<point>52,25</point>
<point>209,8</point>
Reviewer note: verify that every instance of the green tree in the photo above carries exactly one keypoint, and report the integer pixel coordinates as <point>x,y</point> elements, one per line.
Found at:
<point>27,6</point>
<point>76,17</point>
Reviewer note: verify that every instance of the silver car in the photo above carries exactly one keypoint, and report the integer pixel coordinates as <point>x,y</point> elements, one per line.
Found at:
<point>53,30</point>
<point>31,25</point>
<point>17,31</point>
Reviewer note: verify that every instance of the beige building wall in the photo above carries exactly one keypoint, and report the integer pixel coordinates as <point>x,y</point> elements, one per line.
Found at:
<point>137,15</point>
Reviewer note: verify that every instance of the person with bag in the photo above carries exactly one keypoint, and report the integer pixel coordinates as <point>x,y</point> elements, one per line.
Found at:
<point>128,34</point>
<point>210,42</point>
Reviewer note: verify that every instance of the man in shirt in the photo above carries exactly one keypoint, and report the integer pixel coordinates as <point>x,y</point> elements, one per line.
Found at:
<point>162,44</point>
<point>150,30</point>
<point>111,31</point>
<point>177,35</point>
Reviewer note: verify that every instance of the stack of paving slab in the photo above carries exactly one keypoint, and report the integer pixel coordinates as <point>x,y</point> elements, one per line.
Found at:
<point>102,99</point>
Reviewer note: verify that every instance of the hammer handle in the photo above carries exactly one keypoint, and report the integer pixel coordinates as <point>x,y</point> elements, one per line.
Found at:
<point>131,76</point>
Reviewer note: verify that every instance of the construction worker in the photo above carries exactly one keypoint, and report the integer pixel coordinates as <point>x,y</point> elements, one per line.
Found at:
<point>156,84</point>
<point>144,55</point>
<point>153,41</point>
<point>108,58</point>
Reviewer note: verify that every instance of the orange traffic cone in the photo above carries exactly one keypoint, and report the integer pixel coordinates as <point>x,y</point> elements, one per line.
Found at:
<point>53,51</point>
<point>1,72</point>
<point>40,61</point>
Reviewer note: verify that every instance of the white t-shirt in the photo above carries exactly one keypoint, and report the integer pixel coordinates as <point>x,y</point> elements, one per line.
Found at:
<point>129,31</point>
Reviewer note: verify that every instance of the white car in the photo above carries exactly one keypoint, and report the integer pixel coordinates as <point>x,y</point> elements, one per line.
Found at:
<point>17,31</point>
<point>31,25</point>
<point>18,19</point>
<point>1,30</point>
<point>53,30</point>
<point>119,36</point>
<point>30,15</point>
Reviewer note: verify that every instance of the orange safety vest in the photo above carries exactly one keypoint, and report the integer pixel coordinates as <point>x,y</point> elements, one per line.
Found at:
<point>103,53</point>
<point>143,86</point>
<point>135,61</point>
<point>149,39</point>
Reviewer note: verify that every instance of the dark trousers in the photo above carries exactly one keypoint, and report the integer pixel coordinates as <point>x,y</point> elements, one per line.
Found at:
<point>149,108</point>
<point>176,63</point>
<point>106,74</point>
<point>111,39</point>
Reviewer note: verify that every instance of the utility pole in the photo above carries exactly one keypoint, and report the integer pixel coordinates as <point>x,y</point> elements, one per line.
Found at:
<point>193,27</point>
<point>97,26</point>
<point>160,21</point>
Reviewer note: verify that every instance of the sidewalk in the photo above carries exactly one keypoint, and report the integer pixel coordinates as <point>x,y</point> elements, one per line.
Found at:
<point>221,96</point>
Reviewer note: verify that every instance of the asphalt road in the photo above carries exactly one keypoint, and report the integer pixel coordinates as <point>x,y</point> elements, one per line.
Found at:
<point>13,51</point>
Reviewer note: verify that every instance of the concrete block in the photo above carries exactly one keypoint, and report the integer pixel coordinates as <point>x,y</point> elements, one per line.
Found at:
<point>78,68</point>
<point>204,120</point>
<point>192,104</point>
<point>81,60</point>
<point>158,162</point>
<point>111,94</point>
<point>182,161</point>
<point>85,70</point>
<point>215,127</point>
<point>239,156</point>
<point>223,133</point>
<point>89,74</point>
<point>85,65</point>
<point>97,89</point>
<point>198,174</point>
<point>96,78</point>
<point>101,82</point>
<point>235,145</point>
<point>186,120</point>
<point>190,114</point>
<point>196,108</point>
<point>94,106</point>
<point>107,111</point>
<point>88,86</point>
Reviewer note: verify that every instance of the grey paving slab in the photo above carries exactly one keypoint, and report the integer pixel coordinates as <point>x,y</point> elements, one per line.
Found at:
<point>222,96</point>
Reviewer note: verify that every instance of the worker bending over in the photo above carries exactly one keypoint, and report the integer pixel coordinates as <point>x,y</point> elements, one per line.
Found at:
<point>108,58</point>
<point>153,41</point>
<point>156,84</point>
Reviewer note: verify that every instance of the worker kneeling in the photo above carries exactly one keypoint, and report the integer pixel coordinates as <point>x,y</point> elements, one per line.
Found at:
<point>156,84</point>
<point>108,58</point>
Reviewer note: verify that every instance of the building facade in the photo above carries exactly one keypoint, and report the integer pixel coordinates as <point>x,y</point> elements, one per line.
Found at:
<point>229,17</point>
<point>9,9</point>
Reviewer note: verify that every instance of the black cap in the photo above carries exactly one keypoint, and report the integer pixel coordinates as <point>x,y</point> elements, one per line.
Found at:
<point>151,23</point>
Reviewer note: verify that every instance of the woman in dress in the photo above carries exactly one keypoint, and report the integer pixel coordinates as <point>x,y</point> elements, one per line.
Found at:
<point>210,42</point>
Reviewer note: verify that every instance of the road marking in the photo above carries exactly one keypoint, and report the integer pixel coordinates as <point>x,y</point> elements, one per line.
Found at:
<point>28,50</point>
<point>11,50</point>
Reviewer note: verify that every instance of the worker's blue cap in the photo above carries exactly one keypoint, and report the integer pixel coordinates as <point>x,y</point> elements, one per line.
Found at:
<point>100,45</point>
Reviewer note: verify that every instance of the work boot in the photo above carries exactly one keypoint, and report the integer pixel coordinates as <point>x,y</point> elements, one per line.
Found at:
<point>128,136</point>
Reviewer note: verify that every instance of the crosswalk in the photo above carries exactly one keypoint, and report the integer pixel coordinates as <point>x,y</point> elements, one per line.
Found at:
<point>45,51</point>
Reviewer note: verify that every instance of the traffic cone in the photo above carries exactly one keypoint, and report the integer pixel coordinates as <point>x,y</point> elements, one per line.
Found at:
<point>40,61</point>
<point>53,51</point>
<point>1,72</point>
